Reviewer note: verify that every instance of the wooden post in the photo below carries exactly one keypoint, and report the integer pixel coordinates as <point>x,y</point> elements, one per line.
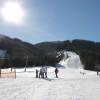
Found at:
<point>36,73</point>
<point>15,73</point>
<point>26,63</point>
<point>97,72</point>
<point>11,69</point>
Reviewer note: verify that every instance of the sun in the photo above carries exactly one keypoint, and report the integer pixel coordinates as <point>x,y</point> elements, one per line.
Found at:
<point>12,12</point>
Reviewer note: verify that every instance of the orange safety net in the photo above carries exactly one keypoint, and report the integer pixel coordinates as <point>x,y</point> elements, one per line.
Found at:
<point>8,73</point>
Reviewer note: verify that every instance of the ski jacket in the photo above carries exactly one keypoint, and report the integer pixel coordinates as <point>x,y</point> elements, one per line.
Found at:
<point>56,70</point>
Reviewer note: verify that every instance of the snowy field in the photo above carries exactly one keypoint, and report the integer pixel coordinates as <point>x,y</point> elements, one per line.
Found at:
<point>71,84</point>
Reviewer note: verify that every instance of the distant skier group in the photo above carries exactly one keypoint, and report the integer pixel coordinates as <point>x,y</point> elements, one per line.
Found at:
<point>43,72</point>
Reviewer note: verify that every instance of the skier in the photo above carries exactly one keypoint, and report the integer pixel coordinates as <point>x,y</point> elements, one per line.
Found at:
<point>56,72</point>
<point>42,70</point>
<point>45,71</point>
<point>97,72</point>
<point>36,73</point>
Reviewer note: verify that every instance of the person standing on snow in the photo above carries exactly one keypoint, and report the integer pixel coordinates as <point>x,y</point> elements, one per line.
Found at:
<point>36,73</point>
<point>45,68</point>
<point>42,71</point>
<point>56,72</point>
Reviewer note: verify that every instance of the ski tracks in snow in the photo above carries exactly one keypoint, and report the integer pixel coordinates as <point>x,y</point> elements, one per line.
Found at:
<point>65,88</point>
<point>70,86</point>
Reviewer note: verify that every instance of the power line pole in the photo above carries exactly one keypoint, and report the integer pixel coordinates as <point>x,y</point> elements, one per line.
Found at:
<point>26,63</point>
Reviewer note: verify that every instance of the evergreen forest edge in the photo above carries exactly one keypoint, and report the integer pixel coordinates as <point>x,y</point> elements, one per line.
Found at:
<point>45,53</point>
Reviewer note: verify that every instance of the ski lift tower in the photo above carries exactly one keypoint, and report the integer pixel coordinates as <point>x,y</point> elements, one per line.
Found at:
<point>26,63</point>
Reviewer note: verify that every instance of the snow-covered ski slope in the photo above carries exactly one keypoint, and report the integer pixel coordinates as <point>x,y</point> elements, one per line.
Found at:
<point>71,84</point>
<point>71,60</point>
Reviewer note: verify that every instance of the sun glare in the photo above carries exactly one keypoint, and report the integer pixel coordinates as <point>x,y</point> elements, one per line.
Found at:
<point>12,12</point>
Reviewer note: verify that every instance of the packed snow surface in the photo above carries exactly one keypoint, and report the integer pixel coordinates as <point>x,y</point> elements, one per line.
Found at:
<point>72,84</point>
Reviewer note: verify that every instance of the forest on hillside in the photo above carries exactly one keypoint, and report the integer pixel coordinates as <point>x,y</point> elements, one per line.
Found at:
<point>89,51</point>
<point>45,53</point>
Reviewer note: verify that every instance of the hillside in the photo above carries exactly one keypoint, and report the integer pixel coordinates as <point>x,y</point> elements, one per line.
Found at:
<point>15,47</point>
<point>48,46</point>
<point>73,45</point>
<point>18,52</point>
<point>45,53</point>
<point>88,51</point>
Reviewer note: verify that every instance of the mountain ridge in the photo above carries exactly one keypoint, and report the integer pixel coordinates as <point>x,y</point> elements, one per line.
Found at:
<point>46,52</point>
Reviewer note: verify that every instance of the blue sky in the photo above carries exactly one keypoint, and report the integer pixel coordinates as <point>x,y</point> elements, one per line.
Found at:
<point>55,20</point>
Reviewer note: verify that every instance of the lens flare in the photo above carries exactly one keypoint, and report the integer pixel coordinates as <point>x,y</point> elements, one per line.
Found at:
<point>12,12</point>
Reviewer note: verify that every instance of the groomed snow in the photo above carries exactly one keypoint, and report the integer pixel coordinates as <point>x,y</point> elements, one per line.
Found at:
<point>71,84</point>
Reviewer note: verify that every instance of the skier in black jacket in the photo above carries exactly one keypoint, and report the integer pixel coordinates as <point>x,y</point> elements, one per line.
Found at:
<point>56,72</point>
